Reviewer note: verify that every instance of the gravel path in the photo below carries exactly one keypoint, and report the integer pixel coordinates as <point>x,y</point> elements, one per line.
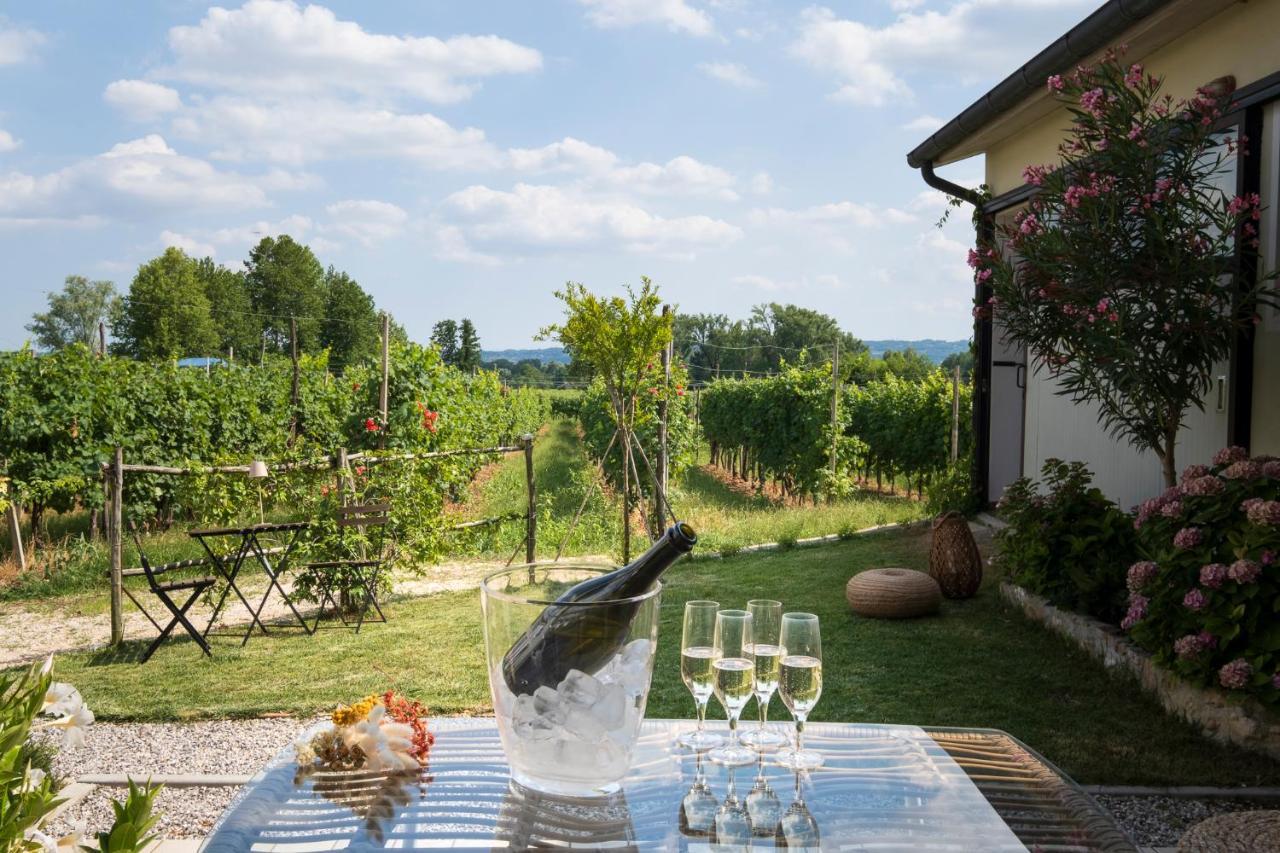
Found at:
<point>231,747</point>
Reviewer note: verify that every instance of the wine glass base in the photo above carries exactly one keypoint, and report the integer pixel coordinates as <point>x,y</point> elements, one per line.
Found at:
<point>763,739</point>
<point>803,759</point>
<point>732,756</point>
<point>700,739</point>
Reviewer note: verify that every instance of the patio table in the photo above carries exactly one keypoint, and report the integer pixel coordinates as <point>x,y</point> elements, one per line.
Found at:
<point>250,546</point>
<point>882,788</point>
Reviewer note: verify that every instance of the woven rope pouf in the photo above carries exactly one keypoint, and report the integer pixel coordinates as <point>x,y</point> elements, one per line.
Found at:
<point>893,594</point>
<point>1239,832</point>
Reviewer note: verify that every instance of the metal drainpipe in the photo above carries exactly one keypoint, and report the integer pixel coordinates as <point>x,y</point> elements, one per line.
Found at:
<point>982,343</point>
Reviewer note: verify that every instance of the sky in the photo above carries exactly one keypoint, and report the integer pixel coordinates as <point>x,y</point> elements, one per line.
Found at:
<point>465,159</point>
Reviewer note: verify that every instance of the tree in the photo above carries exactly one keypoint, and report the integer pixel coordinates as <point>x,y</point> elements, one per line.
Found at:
<point>166,312</point>
<point>74,313</point>
<point>909,364</point>
<point>286,281</point>
<point>351,329</point>
<point>963,360</point>
<point>1131,272</point>
<point>234,320</point>
<point>468,347</point>
<point>444,336</point>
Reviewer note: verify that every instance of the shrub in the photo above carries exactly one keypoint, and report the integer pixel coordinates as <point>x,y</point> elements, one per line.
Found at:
<point>1204,598</point>
<point>953,490</point>
<point>1071,544</point>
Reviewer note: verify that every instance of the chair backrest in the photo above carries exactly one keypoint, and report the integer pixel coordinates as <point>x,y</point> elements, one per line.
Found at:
<point>142,558</point>
<point>368,515</point>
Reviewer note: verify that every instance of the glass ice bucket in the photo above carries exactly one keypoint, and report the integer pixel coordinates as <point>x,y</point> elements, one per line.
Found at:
<point>576,737</point>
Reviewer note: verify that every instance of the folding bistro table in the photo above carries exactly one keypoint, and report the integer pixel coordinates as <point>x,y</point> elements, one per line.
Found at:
<point>882,788</point>
<point>250,547</point>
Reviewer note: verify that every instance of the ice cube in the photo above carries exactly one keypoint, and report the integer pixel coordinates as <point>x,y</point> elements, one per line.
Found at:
<point>579,689</point>
<point>547,703</point>
<point>537,728</point>
<point>583,724</point>
<point>575,757</point>
<point>636,652</point>
<point>523,711</point>
<point>633,673</point>
<point>610,710</point>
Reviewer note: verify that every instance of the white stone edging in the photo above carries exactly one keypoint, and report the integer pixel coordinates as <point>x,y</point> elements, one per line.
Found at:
<point>1240,720</point>
<point>809,540</point>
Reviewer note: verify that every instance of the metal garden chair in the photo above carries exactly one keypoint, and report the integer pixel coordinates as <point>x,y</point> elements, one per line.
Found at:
<point>372,521</point>
<point>163,590</point>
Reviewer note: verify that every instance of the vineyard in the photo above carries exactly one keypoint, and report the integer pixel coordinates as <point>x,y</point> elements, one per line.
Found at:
<point>67,411</point>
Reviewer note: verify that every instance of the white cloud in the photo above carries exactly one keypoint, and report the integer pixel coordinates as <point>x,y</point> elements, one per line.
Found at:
<point>924,124</point>
<point>141,100</point>
<point>828,281</point>
<point>843,213</point>
<point>969,40</point>
<point>18,44</point>
<point>366,221</point>
<point>549,217</point>
<point>306,131</point>
<point>675,15</point>
<point>277,47</point>
<point>730,72</point>
<point>188,244</point>
<point>601,169</point>
<point>132,179</point>
<point>762,183</point>
<point>8,142</point>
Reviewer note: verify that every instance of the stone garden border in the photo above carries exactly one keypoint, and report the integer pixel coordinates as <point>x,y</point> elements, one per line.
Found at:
<point>1242,721</point>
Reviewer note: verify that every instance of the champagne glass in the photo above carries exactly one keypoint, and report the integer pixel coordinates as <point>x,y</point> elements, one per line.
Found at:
<point>697,654</point>
<point>797,828</point>
<point>733,823</point>
<point>800,680</point>
<point>699,806</point>
<point>763,806</point>
<point>735,677</point>
<point>766,623</point>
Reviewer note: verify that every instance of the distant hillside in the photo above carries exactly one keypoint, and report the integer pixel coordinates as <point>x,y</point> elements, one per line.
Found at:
<point>543,354</point>
<point>935,350</point>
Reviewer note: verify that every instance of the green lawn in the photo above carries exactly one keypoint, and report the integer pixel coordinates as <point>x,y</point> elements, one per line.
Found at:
<point>978,664</point>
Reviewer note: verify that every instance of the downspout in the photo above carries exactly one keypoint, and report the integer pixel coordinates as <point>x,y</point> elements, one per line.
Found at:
<point>982,343</point>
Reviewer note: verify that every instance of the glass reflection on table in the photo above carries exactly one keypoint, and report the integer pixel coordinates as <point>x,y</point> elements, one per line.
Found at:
<point>375,797</point>
<point>797,828</point>
<point>532,819</point>
<point>698,806</point>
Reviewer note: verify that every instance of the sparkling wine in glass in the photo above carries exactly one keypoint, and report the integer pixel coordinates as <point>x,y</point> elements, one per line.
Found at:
<point>697,658</point>
<point>735,680</point>
<point>800,682</point>
<point>766,625</point>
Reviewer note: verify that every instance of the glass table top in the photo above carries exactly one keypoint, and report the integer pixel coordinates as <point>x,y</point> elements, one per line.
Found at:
<point>882,788</point>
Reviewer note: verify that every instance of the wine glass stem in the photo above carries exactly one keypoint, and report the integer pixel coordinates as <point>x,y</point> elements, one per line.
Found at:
<point>799,734</point>
<point>702,713</point>
<point>764,710</point>
<point>733,728</point>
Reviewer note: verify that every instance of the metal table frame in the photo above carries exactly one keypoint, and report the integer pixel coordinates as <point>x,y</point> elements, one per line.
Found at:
<point>251,545</point>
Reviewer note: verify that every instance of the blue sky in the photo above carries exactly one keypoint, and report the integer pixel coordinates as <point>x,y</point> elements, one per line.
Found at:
<point>466,159</point>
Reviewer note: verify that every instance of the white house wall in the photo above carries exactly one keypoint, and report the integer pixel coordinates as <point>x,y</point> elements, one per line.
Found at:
<point>1057,428</point>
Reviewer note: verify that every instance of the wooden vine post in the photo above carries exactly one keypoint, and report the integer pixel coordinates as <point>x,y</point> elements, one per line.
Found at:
<point>386,373</point>
<point>663,456</point>
<point>115,533</point>
<point>293,392</point>
<point>835,407</point>
<point>15,530</point>
<point>531,518</point>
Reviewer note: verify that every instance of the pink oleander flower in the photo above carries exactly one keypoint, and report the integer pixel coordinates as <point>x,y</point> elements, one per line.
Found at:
<point>1029,224</point>
<point>1195,599</point>
<point>1195,472</point>
<point>1244,571</point>
<point>1246,469</point>
<point>1271,469</point>
<point>1199,487</point>
<point>1263,512</point>
<point>975,260</point>
<point>1073,195</point>
<point>983,275</point>
<point>1140,574</point>
<point>1055,83</point>
<point>1227,455</point>
<point>1236,674</point>
<point>1213,575</point>
<point>1134,76</point>
<point>1188,537</point>
<point>1094,100</point>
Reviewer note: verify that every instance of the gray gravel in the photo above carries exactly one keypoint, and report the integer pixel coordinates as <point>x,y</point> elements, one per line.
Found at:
<point>184,812</point>
<point>1161,821</point>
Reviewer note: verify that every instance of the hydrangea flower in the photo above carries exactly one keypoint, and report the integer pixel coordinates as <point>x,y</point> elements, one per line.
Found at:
<point>1173,509</point>
<point>1188,537</point>
<point>1137,610</point>
<point>1213,575</point>
<point>1193,472</point>
<point>1246,469</point>
<point>1195,599</point>
<point>1271,469</point>
<point>1203,486</point>
<point>1261,511</point>
<point>1244,571</point>
<point>1140,574</point>
<point>1227,455</point>
<point>1275,681</point>
<point>1236,674</point>
<point>1193,644</point>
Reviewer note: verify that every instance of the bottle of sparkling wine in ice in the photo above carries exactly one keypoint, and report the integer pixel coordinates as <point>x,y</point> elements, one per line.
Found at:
<point>568,635</point>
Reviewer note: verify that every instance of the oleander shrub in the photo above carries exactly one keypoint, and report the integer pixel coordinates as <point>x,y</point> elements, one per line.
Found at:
<point>1066,541</point>
<point>1205,598</point>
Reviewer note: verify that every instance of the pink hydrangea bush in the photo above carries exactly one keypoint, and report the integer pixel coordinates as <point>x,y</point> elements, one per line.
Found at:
<point>1205,601</point>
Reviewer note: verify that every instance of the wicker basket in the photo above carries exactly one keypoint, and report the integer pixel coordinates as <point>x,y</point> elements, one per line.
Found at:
<point>1240,832</point>
<point>954,561</point>
<point>892,594</point>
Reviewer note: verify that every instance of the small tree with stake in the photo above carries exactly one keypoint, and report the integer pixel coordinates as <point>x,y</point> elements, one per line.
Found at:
<point>620,340</point>
<point>1124,276</point>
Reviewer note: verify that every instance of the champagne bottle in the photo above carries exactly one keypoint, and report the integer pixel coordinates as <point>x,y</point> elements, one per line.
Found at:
<point>568,635</point>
